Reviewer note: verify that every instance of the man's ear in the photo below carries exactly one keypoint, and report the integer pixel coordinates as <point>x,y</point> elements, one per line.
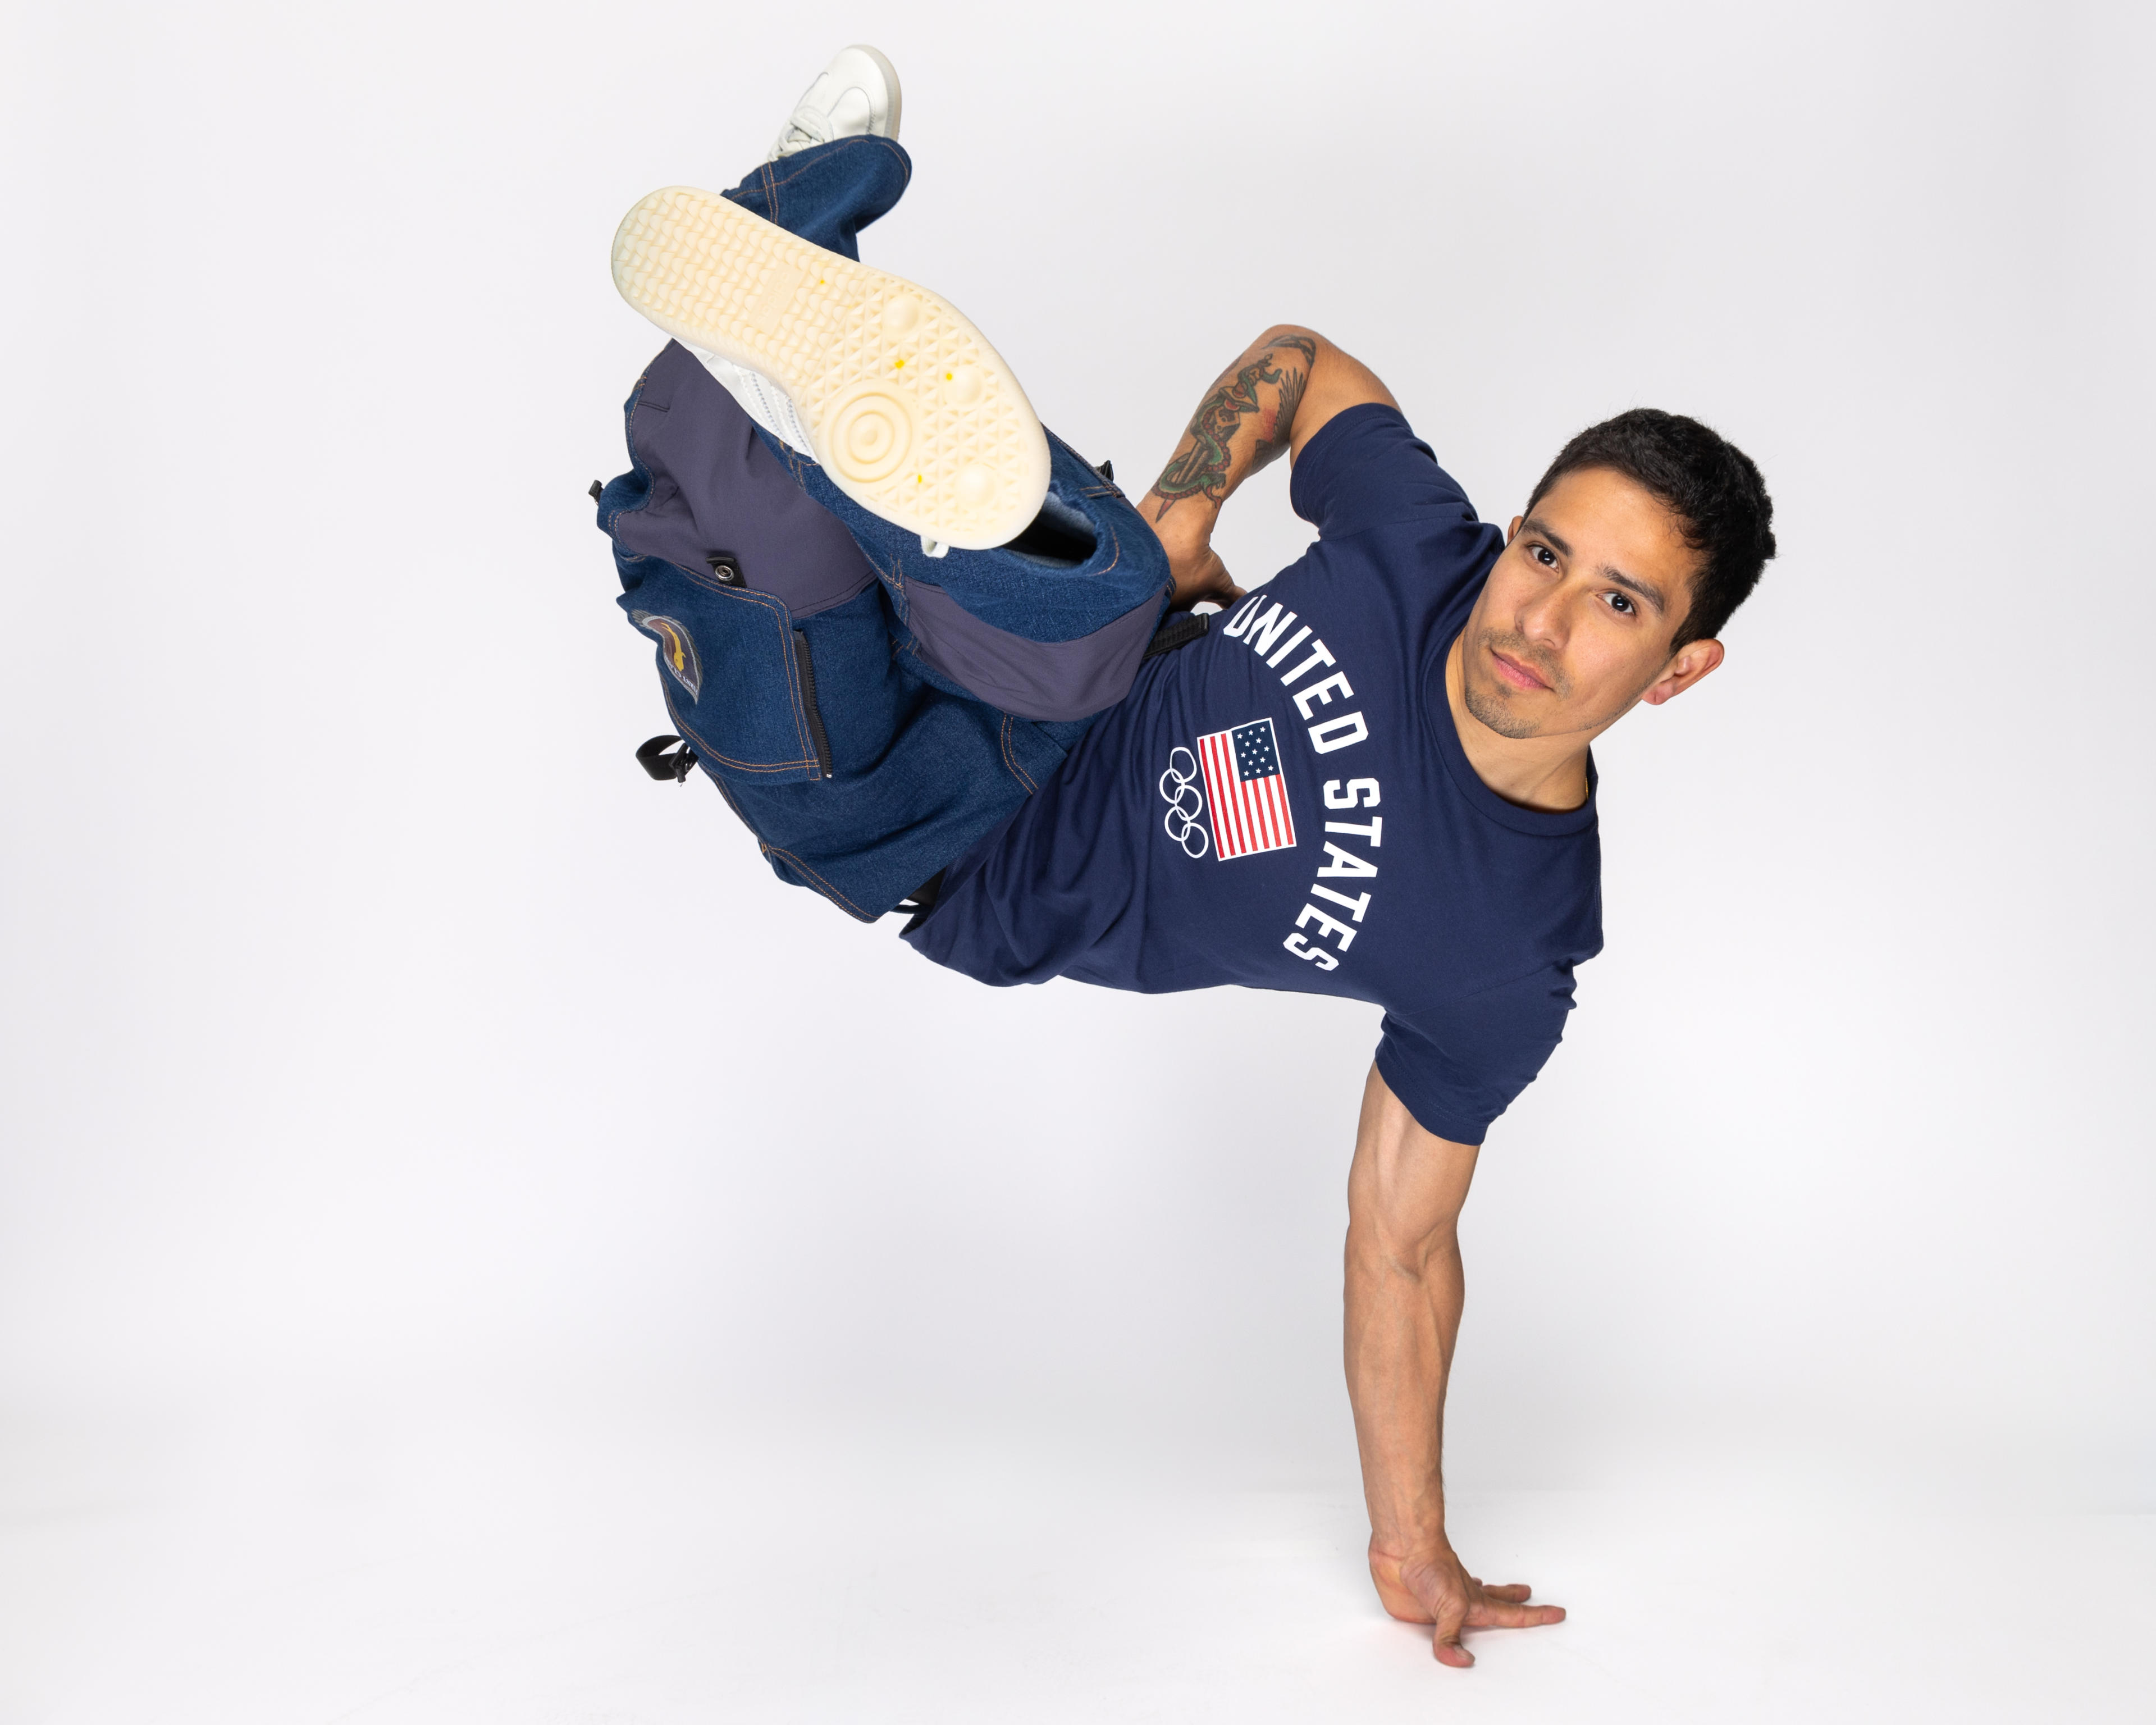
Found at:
<point>1513,533</point>
<point>1687,666</point>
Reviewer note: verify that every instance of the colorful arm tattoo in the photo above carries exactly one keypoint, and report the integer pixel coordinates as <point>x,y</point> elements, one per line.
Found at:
<point>1201,468</point>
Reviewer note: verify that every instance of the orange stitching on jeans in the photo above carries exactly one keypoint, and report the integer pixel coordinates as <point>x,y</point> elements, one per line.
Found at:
<point>777,611</point>
<point>706,752</point>
<point>1117,543</point>
<point>769,849</point>
<point>1010,761</point>
<point>771,182</point>
<point>822,886</point>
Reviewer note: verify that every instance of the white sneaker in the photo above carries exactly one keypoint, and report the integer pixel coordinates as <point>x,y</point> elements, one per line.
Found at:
<point>901,401</point>
<point>762,400</point>
<point>855,96</point>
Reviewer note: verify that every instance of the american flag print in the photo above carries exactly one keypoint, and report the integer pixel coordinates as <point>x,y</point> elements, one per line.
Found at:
<point>1243,783</point>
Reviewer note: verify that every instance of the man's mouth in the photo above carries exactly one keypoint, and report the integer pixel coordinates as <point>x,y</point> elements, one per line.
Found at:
<point>1519,675</point>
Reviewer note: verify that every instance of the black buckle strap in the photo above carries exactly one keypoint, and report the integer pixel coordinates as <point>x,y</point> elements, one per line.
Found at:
<point>654,760</point>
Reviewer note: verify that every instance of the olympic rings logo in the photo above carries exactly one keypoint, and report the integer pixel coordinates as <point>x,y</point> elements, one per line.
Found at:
<point>1181,823</point>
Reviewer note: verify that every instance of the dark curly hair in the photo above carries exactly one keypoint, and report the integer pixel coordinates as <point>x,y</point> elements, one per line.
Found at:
<point>1713,487</point>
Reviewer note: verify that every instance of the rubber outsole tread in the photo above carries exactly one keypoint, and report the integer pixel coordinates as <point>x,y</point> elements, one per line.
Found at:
<point>911,413</point>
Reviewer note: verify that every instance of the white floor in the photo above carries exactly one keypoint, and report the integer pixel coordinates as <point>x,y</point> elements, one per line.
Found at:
<point>262,1567</point>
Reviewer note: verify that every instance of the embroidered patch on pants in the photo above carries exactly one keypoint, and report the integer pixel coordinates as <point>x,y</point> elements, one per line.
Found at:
<point>676,651</point>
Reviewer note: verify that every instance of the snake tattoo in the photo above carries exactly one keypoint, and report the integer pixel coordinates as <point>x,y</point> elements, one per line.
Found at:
<point>1201,471</point>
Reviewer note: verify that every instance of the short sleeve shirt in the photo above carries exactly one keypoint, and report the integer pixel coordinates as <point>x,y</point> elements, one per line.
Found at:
<point>1286,804</point>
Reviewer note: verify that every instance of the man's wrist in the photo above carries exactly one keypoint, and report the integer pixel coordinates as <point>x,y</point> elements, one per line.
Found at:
<point>1186,536</point>
<point>1183,526</point>
<point>1422,1538</point>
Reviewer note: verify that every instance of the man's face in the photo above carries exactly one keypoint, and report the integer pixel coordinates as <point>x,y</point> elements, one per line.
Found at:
<point>1575,623</point>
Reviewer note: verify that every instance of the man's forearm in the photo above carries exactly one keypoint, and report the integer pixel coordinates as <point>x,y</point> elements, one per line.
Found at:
<point>1403,1295</point>
<point>1404,1301</point>
<point>1277,397</point>
<point>1246,420</point>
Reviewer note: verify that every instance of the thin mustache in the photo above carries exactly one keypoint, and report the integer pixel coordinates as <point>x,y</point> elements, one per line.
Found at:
<point>1517,647</point>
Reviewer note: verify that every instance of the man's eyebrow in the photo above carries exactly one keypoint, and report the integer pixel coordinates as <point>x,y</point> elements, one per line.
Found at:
<point>1536,525</point>
<point>1640,587</point>
<point>1540,529</point>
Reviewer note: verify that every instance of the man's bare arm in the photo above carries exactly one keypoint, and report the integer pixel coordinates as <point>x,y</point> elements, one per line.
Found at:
<point>1405,1288</point>
<point>1277,397</point>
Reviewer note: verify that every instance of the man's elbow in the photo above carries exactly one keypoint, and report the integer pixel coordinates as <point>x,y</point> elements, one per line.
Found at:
<point>1281,334</point>
<point>1390,1245</point>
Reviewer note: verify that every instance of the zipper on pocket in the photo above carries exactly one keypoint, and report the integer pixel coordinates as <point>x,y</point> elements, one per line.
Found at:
<point>817,737</point>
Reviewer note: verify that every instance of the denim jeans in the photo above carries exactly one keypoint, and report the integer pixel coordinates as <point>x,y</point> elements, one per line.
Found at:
<point>1047,636</point>
<point>814,692</point>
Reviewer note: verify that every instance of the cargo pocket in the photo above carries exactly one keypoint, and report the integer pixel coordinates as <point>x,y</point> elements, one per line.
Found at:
<point>732,671</point>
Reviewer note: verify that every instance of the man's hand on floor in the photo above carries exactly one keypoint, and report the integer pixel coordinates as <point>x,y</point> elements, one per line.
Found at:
<point>1432,1586</point>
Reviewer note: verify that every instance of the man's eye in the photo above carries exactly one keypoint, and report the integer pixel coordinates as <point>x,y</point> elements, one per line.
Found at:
<point>1622,604</point>
<point>1543,555</point>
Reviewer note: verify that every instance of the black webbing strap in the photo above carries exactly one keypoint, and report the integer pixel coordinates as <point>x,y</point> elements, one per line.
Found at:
<point>922,901</point>
<point>1180,630</point>
<point>654,760</point>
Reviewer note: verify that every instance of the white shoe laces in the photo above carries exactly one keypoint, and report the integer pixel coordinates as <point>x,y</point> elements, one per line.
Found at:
<point>808,126</point>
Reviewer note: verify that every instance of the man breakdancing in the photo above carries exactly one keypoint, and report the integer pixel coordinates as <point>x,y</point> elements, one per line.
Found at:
<point>894,620</point>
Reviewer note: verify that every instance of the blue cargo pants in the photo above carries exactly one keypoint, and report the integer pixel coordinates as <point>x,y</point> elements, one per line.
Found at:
<point>868,709</point>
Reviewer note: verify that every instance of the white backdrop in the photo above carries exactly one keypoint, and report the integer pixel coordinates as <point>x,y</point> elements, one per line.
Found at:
<point>367,1013</point>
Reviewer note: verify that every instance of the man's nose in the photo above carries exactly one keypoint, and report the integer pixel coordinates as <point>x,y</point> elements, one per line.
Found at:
<point>1546,617</point>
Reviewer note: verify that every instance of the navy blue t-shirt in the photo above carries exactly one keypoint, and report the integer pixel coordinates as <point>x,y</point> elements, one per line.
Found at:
<point>1286,804</point>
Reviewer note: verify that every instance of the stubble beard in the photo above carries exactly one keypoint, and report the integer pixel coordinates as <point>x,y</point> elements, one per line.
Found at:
<point>1490,708</point>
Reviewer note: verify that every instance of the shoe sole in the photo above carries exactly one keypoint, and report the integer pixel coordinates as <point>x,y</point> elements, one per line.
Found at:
<point>891,80</point>
<point>912,413</point>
